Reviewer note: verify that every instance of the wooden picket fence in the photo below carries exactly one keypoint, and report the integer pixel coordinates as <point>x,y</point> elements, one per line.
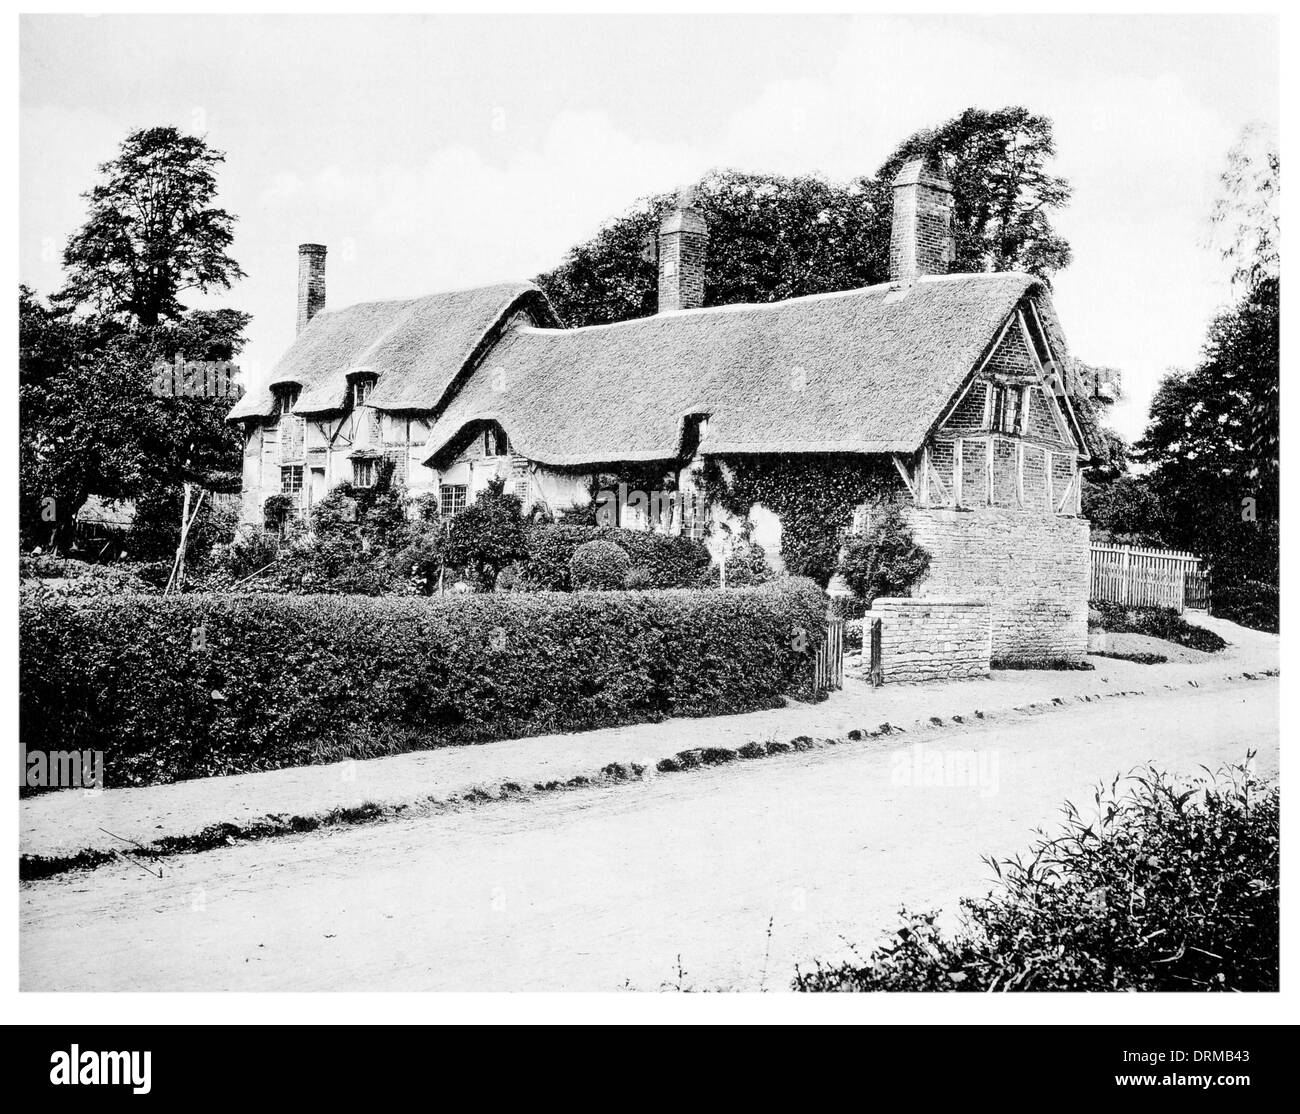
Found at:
<point>828,664</point>
<point>1139,577</point>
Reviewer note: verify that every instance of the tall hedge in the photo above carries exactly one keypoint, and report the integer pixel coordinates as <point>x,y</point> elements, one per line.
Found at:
<point>190,686</point>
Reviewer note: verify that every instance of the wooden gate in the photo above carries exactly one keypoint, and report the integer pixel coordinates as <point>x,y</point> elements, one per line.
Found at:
<point>828,665</point>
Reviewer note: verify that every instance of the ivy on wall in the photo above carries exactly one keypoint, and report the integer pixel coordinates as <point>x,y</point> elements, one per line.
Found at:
<point>814,495</point>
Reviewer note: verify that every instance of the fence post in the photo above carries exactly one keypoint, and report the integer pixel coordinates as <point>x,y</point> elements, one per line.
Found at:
<point>877,675</point>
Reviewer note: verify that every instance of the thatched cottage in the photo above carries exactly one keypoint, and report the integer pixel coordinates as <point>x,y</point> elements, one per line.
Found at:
<point>959,386</point>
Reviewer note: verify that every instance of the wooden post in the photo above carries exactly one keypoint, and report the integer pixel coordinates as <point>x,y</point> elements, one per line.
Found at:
<point>877,674</point>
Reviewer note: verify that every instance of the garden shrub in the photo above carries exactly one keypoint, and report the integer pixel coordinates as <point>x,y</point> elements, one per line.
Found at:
<point>1171,886</point>
<point>1057,664</point>
<point>886,561</point>
<point>748,565</point>
<point>598,565</point>
<point>487,536</point>
<point>67,578</point>
<point>1253,603</point>
<point>665,560</point>
<point>194,685</point>
<point>1158,622</point>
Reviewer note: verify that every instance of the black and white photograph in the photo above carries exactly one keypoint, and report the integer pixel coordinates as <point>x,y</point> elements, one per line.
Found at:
<point>733,515</point>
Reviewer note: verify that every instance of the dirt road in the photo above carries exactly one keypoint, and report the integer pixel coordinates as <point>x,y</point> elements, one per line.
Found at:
<point>601,889</point>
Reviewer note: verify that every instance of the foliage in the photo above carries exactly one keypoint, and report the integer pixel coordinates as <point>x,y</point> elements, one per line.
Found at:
<point>1065,665</point>
<point>1246,219</point>
<point>155,531</point>
<point>1170,887</point>
<point>152,231</point>
<point>887,561</point>
<point>598,565</point>
<point>657,560</point>
<point>65,578</point>
<point>1124,511</point>
<point>196,685</point>
<point>774,237</point>
<point>487,535</point>
<point>89,423</point>
<point>814,495</point>
<point>276,510</point>
<point>1157,622</point>
<point>1002,192</point>
<point>747,564</point>
<point>1252,603</point>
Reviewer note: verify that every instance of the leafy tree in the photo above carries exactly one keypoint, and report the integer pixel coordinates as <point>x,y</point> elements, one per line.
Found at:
<point>1246,223</point>
<point>774,237</point>
<point>153,231</point>
<point>487,535</point>
<point>1003,194</point>
<point>1212,441</point>
<point>770,237</point>
<point>90,424</point>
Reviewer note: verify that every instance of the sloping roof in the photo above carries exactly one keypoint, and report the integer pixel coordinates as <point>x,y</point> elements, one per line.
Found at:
<point>416,347</point>
<point>860,371</point>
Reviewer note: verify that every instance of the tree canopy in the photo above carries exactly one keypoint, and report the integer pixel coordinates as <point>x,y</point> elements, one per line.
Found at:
<point>153,231</point>
<point>774,237</point>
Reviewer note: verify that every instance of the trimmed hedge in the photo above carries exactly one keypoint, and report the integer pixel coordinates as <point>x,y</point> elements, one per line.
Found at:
<point>198,685</point>
<point>658,560</point>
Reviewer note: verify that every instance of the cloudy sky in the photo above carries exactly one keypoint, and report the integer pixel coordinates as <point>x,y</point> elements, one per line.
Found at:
<point>434,152</point>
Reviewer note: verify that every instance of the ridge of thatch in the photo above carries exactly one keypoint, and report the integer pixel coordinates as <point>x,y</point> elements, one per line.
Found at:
<point>863,371</point>
<point>415,346</point>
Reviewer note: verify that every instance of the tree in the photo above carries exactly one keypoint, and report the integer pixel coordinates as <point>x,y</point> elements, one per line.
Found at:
<point>89,423</point>
<point>487,535</point>
<point>1212,441</point>
<point>774,237</point>
<point>1003,194</point>
<point>1245,223</point>
<point>770,237</point>
<point>152,232</point>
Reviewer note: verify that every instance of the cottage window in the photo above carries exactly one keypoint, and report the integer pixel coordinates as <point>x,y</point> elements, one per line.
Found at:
<point>286,398</point>
<point>363,473</point>
<point>291,479</point>
<point>361,389</point>
<point>452,499</point>
<point>495,442</point>
<point>1007,409</point>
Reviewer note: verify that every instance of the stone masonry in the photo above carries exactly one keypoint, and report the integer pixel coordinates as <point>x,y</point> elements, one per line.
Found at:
<point>932,639</point>
<point>1031,569</point>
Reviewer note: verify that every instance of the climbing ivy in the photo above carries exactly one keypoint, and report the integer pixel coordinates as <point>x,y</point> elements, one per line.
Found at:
<point>814,495</point>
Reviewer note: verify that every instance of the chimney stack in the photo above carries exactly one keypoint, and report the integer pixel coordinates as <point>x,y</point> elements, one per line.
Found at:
<point>920,241</point>
<point>683,239</point>
<point>311,282</point>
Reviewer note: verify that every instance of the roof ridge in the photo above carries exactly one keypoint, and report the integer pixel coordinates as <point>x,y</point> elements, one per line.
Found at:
<point>802,299</point>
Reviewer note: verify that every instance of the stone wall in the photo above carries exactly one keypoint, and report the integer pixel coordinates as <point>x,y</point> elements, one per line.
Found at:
<point>931,639</point>
<point>1032,569</point>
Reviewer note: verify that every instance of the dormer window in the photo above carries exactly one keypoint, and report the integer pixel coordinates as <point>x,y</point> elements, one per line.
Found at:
<point>495,442</point>
<point>286,398</point>
<point>361,388</point>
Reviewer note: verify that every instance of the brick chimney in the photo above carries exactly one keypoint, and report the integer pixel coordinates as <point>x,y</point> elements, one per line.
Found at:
<point>683,239</point>
<point>311,282</point>
<point>920,241</point>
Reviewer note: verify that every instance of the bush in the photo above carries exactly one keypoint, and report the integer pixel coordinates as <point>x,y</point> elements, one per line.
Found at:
<point>1057,664</point>
<point>599,565</point>
<point>195,685</point>
<point>885,562</point>
<point>1253,604</point>
<point>65,578</point>
<point>1174,887</point>
<point>663,560</point>
<point>1158,622</point>
<point>748,565</point>
<point>487,536</point>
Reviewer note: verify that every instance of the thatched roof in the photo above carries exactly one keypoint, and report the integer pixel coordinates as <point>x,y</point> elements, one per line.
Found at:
<point>864,371</point>
<point>416,347</point>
